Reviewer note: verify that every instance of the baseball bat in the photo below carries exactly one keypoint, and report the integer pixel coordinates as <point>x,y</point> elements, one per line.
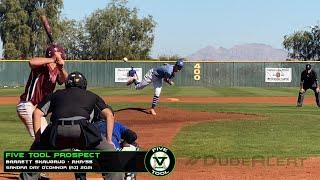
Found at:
<point>47,27</point>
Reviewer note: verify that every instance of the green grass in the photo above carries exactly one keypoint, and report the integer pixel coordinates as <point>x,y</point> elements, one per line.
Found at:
<point>11,91</point>
<point>282,131</point>
<point>260,109</point>
<point>279,130</point>
<point>200,91</point>
<point>13,134</point>
<point>178,91</point>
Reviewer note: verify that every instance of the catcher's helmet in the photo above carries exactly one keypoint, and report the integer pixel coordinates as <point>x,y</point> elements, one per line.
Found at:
<point>179,64</point>
<point>129,136</point>
<point>52,48</point>
<point>308,66</point>
<point>76,79</point>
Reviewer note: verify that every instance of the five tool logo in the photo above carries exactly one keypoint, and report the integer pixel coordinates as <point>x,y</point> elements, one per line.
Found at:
<point>159,161</point>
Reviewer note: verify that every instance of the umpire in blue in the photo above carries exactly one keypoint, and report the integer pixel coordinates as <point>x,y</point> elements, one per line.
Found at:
<point>309,80</point>
<point>69,127</point>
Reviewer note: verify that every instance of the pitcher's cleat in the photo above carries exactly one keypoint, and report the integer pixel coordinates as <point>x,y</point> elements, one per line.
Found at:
<point>153,112</point>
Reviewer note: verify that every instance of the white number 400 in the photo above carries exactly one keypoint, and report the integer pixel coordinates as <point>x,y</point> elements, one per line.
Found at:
<point>197,72</point>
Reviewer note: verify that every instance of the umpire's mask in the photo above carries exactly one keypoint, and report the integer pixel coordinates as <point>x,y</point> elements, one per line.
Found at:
<point>76,79</point>
<point>308,66</point>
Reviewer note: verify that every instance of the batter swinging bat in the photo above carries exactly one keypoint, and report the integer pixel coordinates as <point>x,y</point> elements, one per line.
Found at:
<point>47,27</point>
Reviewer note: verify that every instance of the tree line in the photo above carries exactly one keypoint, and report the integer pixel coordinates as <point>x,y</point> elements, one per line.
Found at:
<point>113,32</point>
<point>304,45</point>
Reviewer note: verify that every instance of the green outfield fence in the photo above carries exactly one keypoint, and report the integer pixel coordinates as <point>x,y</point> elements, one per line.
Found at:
<point>202,73</point>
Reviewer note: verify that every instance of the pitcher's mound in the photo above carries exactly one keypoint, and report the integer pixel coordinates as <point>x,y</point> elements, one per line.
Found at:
<point>160,129</point>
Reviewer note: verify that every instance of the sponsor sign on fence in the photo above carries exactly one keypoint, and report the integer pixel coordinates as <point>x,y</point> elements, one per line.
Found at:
<point>278,75</point>
<point>121,74</point>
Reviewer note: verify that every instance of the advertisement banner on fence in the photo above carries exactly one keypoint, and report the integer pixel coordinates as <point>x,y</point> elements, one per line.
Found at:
<point>121,74</point>
<point>278,75</point>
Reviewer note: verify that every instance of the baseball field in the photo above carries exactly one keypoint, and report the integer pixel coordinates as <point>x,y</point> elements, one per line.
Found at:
<point>215,133</point>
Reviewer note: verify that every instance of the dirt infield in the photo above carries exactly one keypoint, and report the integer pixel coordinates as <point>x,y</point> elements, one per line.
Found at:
<point>196,100</point>
<point>161,129</point>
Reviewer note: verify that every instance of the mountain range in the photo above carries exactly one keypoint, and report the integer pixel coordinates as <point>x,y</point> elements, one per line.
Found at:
<point>244,52</point>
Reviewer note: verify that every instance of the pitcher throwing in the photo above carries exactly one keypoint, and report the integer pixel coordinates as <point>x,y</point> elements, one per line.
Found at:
<point>155,76</point>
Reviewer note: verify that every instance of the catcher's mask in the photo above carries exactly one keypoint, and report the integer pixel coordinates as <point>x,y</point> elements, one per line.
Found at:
<point>129,136</point>
<point>308,66</point>
<point>52,48</point>
<point>76,79</point>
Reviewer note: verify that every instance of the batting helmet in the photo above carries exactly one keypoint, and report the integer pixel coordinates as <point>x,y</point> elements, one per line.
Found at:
<point>308,66</point>
<point>76,79</point>
<point>55,48</point>
<point>179,64</point>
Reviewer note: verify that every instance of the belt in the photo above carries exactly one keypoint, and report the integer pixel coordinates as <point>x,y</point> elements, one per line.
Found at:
<point>68,122</point>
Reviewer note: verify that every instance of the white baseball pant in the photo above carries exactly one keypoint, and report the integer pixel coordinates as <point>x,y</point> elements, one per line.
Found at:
<point>25,111</point>
<point>148,78</point>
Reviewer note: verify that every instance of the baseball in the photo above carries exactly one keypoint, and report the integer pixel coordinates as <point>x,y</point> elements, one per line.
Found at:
<point>125,59</point>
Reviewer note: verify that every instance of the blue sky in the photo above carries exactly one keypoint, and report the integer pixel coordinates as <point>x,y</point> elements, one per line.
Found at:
<point>185,26</point>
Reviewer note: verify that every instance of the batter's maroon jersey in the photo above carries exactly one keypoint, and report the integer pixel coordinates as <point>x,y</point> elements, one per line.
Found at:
<point>38,85</point>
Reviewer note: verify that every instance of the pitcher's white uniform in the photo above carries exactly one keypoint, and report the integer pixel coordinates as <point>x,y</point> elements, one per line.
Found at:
<point>156,76</point>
